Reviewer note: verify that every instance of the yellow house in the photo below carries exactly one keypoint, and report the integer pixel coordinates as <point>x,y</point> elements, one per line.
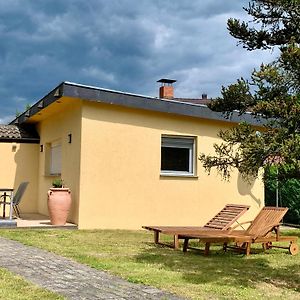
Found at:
<point>128,159</point>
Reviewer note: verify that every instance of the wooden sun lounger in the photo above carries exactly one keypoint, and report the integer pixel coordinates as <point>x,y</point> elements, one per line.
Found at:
<point>264,229</point>
<point>222,221</point>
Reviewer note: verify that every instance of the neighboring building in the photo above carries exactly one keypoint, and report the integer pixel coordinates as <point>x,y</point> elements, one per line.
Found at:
<point>129,160</point>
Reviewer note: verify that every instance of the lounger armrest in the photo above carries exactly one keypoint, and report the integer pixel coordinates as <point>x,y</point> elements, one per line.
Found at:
<point>239,225</point>
<point>271,228</point>
<point>276,230</point>
<point>274,227</point>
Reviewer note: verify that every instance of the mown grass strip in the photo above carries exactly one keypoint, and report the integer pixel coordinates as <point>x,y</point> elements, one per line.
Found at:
<point>15,287</point>
<point>133,256</point>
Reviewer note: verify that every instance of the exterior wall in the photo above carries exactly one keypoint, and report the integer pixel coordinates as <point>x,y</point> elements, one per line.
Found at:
<point>57,122</point>
<point>120,182</point>
<point>19,162</point>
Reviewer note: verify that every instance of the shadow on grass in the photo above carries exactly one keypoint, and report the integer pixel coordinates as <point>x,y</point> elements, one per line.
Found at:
<point>275,267</point>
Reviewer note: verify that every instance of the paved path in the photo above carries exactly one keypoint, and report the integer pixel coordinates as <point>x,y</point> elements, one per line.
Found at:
<point>71,279</point>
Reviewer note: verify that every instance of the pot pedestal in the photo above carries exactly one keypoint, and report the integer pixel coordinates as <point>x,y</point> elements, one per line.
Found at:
<point>59,203</point>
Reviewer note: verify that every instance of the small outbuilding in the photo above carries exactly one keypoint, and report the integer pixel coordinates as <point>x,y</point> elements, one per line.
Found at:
<point>128,159</point>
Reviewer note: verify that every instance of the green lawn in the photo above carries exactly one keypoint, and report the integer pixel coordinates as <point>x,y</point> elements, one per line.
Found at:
<point>133,256</point>
<point>14,287</point>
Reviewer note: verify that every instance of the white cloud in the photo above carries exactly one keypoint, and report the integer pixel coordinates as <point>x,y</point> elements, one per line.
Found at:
<point>98,74</point>
<point>7,119</point>
<point>18,99</point>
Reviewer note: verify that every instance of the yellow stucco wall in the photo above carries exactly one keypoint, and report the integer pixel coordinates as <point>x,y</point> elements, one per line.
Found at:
<point>120,182</point>
<point>55,123</point>
<point>18,163</point>
<point>112,167</point>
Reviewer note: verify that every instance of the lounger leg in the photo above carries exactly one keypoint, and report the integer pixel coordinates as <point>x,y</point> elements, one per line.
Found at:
<point>185,245</point>
<point>176,242</point>
<point>248,245</point>
<point>17,211</point>
<point>156,237</point>
<point>225,247</point>
<point>206,251</point>
<point>267,245</point>
<point>4,210</point>
<point>4,203</point>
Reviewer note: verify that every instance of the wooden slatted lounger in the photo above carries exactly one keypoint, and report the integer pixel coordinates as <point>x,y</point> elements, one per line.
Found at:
<point>264,229</point>
<point>222,221</point>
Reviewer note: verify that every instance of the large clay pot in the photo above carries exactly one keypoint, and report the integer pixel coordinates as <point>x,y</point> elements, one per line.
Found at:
<point>59,203</point>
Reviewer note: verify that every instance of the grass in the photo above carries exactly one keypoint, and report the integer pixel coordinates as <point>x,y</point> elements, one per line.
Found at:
<point>133,256</point>
<point>15,287</point>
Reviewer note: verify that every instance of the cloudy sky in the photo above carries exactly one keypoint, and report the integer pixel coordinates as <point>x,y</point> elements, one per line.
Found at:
<point>124,45</point>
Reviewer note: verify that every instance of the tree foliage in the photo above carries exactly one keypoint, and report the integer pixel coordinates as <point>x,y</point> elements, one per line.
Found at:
<point>289,195</point>
<point>271,95</point>
<point>278,22</point>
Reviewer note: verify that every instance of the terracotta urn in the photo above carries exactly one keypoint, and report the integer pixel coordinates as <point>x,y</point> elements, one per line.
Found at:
<point>59,203</point>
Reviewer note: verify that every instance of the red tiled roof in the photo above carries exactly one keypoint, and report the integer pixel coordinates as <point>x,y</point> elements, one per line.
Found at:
<point>12,133</point>
<point>194,101</point>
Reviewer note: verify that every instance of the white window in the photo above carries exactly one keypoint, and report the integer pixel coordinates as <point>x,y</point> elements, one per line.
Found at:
<point>177,156</point>
<point>55,158</point>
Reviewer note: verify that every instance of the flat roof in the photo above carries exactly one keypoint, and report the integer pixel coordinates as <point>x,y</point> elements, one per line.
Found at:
<point>101,95</point>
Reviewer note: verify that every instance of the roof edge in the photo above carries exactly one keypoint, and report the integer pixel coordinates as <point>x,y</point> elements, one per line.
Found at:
<point>113,97</point>
<point>101,95</point>
<point>19,141</point>
<point>52,96</point>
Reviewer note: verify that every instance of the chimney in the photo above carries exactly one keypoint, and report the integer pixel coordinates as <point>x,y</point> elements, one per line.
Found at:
<point>166,89</point>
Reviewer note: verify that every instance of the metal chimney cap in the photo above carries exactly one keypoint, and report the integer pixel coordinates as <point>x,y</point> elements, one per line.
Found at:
<point>165,80</point>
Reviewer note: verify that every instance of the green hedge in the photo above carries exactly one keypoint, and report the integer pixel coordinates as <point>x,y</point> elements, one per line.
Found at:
<point>289,196</point>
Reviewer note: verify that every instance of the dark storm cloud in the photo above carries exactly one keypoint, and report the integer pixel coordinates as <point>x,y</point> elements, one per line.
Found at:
<point>124,45</point>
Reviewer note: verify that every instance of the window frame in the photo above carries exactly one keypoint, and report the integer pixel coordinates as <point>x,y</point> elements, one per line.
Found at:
<point>49,170</point>
<point>179,141</point>
<point>55,168</point>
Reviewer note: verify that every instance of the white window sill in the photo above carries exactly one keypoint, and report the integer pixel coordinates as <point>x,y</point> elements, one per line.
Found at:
<point>52,175</point>
<point>178,175</point>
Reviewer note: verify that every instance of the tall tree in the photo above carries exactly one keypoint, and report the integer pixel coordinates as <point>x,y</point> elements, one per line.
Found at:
<point>278,22</point>
<point>272,95</point>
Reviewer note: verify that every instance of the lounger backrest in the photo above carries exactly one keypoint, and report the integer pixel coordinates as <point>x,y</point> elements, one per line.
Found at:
<point>227,216</point>
<point>266,220</point>
<point>19,193</point>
